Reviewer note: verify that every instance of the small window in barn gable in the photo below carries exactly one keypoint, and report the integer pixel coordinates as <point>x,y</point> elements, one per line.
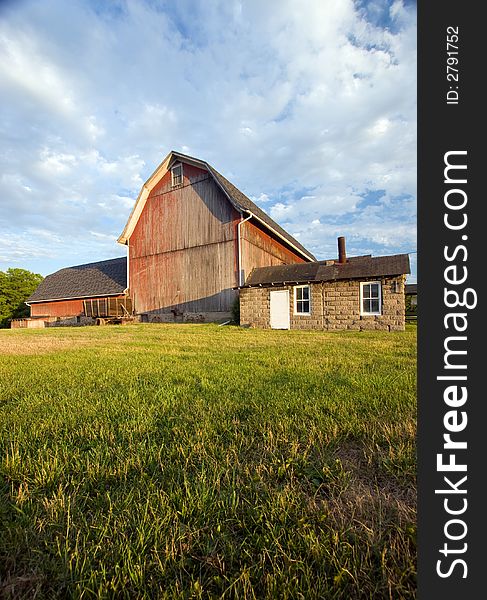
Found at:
<point>302,300</point>
<point>370,298</point>
<point>177,175</point>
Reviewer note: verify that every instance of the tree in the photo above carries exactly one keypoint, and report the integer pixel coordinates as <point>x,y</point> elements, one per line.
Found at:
<point>16,285</point>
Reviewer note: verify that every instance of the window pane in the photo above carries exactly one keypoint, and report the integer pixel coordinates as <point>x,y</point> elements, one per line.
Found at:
<point>371,298</point>
<point>302,299</point>
<point>177,173</point>
<point>302,293</point>
<point>302,306</point>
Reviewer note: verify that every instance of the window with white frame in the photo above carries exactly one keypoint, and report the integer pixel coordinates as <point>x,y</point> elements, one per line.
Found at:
<point>370,298</point>
<point>177,174</point>
<point>302,300</point>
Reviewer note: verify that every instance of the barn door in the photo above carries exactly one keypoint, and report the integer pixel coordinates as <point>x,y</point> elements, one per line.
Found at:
<point>280,309</point>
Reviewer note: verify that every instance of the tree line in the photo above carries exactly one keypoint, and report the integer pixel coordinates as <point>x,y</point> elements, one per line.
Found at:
<point>16,285</point>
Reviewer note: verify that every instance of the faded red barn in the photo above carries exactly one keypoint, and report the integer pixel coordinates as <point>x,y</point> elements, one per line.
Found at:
<point>192,238</point>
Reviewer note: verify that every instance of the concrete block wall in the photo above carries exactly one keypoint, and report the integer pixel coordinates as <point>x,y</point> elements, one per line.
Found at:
<point>334,306</point>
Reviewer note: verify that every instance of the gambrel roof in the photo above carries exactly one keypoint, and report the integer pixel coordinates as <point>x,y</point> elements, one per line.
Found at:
<point>104,278</point>
<point>239,201</point>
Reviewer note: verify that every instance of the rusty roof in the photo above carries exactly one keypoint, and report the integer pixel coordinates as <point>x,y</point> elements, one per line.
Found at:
<point>104,278</point>
<point>357,267</point>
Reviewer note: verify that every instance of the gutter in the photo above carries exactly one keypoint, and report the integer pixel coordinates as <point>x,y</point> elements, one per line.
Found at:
<point>76,297</point>
<point>128,263</point>
<point>240,271</point>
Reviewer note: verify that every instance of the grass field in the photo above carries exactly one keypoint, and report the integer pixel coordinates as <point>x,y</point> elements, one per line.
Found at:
<point>197,461</point>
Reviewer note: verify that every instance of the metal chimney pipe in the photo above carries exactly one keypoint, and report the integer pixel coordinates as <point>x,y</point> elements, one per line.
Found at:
<point>342,254</point>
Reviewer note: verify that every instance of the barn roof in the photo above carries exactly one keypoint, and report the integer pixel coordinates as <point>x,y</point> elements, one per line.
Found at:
<point>357,267</point>
<point>104,278</point>
<point>239,200</point>
<point>411,289</point>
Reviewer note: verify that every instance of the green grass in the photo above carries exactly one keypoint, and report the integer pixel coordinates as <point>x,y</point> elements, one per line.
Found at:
<point>197,461</point>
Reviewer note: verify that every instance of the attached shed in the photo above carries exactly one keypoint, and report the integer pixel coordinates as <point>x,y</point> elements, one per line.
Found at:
<point>61,298</point>
<point>361,292</point>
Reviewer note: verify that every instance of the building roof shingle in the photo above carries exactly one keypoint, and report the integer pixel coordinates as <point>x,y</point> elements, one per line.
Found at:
<point>328,270</point>
<point>104,278</point>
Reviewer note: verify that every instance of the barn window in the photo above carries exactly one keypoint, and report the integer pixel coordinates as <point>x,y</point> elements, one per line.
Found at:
<point>302,300</point>
<point>177,175</point>
<point>370,298</point>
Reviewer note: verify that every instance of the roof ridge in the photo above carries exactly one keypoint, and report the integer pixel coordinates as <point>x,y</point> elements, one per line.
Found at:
<point>98,262</point>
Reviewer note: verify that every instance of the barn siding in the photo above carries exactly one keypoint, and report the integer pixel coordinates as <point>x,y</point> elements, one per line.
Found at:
<point>59,308</point>
<point>183,251</point>
<point>183,248</point>
<point>260,249</point>
<point>194,214</point>
<point>193,280</point>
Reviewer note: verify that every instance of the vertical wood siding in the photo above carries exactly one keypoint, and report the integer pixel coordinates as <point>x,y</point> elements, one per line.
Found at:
<point>260,249</point>
<point>59,308</point>
<point>183,248</point>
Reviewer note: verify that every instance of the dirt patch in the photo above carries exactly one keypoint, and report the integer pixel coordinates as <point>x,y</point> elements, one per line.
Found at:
<point>14,344</point>
<point>371,499</point>
<point>23,586</point>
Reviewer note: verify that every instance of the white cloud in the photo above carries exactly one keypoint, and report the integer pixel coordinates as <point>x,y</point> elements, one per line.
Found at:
<point>306,107</point>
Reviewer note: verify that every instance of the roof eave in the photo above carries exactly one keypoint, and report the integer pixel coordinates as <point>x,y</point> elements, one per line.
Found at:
<point>310,257</point>
<point>29,302</point>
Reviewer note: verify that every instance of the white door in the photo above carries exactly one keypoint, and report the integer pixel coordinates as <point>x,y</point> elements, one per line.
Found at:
<point>280,309</point>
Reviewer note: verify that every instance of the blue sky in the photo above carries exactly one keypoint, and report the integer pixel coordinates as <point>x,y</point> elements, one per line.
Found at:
<point>308,107</point>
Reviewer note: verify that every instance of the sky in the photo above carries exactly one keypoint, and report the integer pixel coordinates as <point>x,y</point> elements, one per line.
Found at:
<point>308,107</point>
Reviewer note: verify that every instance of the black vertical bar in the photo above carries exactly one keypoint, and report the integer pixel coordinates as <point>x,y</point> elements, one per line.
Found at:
<point>450,119</point>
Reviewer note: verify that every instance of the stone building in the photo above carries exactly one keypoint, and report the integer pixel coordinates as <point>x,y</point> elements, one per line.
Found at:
<point>360,293</point>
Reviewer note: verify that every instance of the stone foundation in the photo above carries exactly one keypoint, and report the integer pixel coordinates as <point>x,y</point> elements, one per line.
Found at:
<point>183,317</point>
<point>41,323</point>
